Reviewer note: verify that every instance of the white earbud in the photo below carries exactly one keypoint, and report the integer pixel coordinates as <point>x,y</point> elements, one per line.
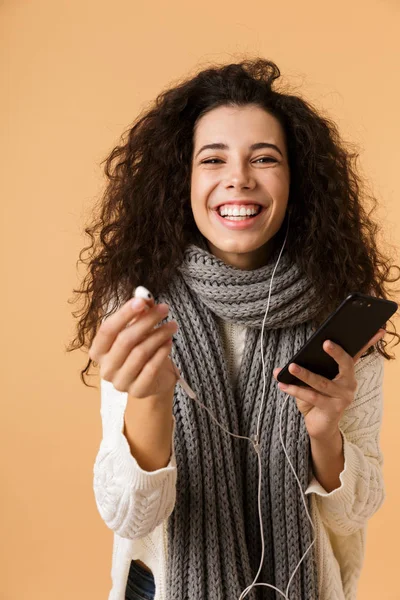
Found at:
<point>142,292</point>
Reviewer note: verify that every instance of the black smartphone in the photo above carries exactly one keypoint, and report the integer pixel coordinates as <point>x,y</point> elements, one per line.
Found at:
<point>358,318</point>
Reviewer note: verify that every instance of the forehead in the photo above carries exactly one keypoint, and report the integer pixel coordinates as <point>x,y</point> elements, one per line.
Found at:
<point>237,122</point>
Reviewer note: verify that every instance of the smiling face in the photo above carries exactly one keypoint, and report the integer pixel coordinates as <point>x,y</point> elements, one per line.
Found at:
<point>258,176</point>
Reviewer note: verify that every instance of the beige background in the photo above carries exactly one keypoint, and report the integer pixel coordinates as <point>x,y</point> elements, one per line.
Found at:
<point>75,74</point>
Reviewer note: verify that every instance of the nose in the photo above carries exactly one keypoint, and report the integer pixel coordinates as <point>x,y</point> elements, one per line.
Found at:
<point>239,177</point>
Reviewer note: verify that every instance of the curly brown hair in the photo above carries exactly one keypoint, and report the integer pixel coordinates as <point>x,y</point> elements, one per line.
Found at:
<point>144,222</point>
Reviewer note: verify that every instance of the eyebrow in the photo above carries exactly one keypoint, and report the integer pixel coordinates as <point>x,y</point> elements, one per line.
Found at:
<point>257,146</point>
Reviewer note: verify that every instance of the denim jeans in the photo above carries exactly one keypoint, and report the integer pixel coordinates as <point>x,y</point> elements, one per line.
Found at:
<point>140,584</point>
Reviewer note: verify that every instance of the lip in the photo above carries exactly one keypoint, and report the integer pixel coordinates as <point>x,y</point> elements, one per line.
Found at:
<point>245,224</point>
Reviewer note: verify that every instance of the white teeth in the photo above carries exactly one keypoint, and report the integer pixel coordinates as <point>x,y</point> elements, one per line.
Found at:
<point>241,211</point>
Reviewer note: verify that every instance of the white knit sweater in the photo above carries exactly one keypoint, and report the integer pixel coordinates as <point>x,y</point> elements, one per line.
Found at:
<point>135,504</point>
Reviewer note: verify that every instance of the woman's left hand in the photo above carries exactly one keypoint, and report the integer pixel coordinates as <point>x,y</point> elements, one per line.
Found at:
<point>324,402</point>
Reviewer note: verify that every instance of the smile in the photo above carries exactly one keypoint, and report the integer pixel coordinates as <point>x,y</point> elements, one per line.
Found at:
<point>240,222</point>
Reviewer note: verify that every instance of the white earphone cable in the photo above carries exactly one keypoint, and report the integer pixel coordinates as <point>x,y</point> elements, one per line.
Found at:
<point>255,442</point>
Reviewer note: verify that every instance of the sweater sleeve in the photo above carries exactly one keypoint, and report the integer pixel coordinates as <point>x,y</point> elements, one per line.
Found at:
<point>132,502</point>
<point>361,493</point>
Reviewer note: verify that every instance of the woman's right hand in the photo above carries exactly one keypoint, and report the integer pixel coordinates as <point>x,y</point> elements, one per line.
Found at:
<point>133,354</point>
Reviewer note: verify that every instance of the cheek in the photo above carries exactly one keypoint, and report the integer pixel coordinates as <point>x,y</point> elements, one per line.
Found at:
<point>277,183</point>
<point>201,189</point>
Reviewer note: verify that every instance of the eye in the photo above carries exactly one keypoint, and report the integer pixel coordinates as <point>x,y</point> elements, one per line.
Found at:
<point>210,160</point>
<point>266,158</point>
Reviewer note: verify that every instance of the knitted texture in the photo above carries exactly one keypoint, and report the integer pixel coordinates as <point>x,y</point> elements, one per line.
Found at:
<point>340,525</point>
<point>214,544</point>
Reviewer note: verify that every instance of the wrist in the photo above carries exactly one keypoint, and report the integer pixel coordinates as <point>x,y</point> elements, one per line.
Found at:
<point>330,445</point>
<point>155,403</point>
<point>328,437</point>
<point>327,456</point>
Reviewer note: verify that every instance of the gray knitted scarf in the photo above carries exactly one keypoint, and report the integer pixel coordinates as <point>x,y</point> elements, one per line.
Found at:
<point>214,544</point>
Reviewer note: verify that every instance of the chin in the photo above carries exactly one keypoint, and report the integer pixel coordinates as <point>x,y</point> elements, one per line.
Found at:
<point>239,248</point>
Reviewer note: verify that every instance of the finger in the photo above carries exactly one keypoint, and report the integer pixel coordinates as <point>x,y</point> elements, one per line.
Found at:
<point>276,371</point>
<point>306,394</point>
<point>148,377</point>
<point>131,336</point>
<point>379,335</point>
<point>317,382</point>
<point>148,304</point>
<point>140,355</point>
<point>113,325</point>
<point>343,359</point>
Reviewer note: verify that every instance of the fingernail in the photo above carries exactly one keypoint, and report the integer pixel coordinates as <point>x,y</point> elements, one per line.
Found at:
<point>163,308</point>
<point>136,303</point>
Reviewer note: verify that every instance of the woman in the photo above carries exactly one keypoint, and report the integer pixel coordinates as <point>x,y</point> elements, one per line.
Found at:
<point>179,492</point>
